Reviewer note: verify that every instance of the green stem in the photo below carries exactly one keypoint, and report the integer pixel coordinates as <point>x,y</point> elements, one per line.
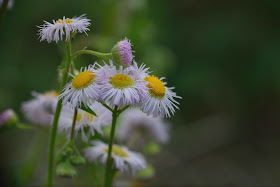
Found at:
<point>56,117</point>
<point>74,123</point>
<point>111,179</point>
<point>107,107</point>
<point>112,134</point>
<point>90,52</point>
<point>123,109</point>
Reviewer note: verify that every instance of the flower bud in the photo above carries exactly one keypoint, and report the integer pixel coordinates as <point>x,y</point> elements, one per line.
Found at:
<point>66,169</point>
<point>8,117</point>
<point>121,53</point>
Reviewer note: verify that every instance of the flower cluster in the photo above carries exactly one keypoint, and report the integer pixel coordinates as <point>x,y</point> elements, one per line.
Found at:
<point>119,86</point>
<point>92,99</point>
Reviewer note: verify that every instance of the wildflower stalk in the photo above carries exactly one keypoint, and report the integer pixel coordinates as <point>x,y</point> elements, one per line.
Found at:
<point>74,123</point>
<point>109,159</point>
<point>94,53</point>
<point>56,116</point>
<point>109,174</point>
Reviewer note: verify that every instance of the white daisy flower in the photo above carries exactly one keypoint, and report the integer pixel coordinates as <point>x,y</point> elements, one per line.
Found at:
<point>39,109</point>
<point>145,128</point>
<point>81,89</point>
<point>62,29</point>
<point>160,99</point>
<point>86,123</point>
<point>124,160</point>
<point>118,87</point>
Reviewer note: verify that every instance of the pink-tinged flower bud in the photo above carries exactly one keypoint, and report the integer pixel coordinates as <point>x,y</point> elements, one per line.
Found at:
<point>121,53</point>
<point>8,117</point>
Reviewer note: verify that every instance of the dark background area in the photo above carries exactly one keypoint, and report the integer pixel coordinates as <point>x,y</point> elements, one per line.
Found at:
<point>223,57</point>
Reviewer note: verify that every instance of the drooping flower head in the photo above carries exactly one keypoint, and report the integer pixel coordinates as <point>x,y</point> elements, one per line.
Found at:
<point>81,89</point>
<point>8,117</point>
<point>40,109</point>
<point>160,99</point>
<point>63,29</point>
<point>86,123</point>
<point>122,53</point>
<point>135,123</point>
<point>118,87</point>
<point>124,160</point>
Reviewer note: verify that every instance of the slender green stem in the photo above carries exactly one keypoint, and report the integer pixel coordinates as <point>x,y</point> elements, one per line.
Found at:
<point>107,107</point>
<point>90,52</point>
<point>56,117</point>
<point>74,123</point>
<point>123,109</point>
<point>111,178</point>
<point>112,134</point>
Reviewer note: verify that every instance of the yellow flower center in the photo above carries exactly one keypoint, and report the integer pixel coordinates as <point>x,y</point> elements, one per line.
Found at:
<point>83,79</point>
<point>118,151</point>
<point>51,94</point>
<point>87,115</point>
<point>157,88</point>
<point>121,81</point>
<point>66,21</point>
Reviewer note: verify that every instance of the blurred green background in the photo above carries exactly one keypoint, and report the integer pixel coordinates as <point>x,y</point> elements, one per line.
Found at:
<point>223,57</point>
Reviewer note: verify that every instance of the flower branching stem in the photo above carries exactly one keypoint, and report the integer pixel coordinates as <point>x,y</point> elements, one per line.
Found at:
<point>56,117</point>
<point>109,171</point>
<point>94,53</point>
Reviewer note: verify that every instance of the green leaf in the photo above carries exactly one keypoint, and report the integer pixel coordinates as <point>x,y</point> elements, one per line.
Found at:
<point>87,109</point>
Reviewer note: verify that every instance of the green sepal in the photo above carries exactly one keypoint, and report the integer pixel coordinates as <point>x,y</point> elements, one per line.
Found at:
<point>87,109</point>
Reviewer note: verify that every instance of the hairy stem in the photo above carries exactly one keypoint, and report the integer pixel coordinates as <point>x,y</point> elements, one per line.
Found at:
<point>56,117</point>
<point>90,52</point>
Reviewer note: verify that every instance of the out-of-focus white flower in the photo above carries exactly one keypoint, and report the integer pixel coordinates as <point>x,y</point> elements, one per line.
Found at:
<point>86,123</point>
<point>81,89</point>
<point>160,99</point>
<point>124,159</point>
<point>40,109</point>
<point>10,4</point>
<point>118,87</point>
<point>62,29</point>
<point>135,123</point>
